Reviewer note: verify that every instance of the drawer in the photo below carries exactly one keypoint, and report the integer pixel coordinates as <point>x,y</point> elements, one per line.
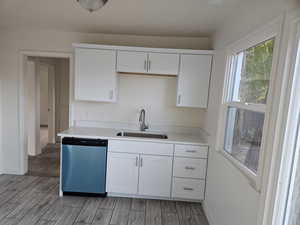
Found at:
<point>188,189</point>
<point>140,147</point>
<point>191,168</point>
<point>194,151</point>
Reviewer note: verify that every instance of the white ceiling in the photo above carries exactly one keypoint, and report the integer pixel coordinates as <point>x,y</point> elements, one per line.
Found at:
<point>139,17</point>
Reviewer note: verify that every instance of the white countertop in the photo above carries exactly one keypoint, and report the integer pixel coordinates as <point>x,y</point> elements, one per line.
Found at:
<point>111,134</point>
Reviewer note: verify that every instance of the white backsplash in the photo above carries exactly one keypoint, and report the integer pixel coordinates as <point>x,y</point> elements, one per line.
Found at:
<point>155,94</point>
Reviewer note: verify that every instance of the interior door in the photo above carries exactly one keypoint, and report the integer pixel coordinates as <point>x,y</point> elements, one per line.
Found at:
<point>51,104</point>
<point>132,62</point>
<point>122,173</point>
<point>162,63</point>
<point>155,175</point>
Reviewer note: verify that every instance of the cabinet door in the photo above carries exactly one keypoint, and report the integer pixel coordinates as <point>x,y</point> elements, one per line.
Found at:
<point>161,63</point>
<point>95,75</point>
<point>132,62</point>
<point>193,81</point>
<point>155,175</point>
<point>122,173</point>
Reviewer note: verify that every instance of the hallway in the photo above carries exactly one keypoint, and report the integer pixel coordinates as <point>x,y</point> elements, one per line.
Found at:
<point>47,163</point>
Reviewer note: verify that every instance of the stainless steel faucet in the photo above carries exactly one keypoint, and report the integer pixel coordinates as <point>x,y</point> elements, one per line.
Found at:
<point>143,125</point>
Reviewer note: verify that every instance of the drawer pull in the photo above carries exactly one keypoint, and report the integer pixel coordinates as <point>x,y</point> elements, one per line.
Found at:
<point>188,189</point>
<point>191,151</point>
<point>189,168</point>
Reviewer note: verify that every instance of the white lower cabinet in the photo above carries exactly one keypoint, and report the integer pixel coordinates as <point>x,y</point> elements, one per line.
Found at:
<point>188,189</point>
<point>122,173</point>
<point>190,168</point>
<point>134,174</point>
<point>155,175</point>
<point>137,168</point>
<point>189,173</point>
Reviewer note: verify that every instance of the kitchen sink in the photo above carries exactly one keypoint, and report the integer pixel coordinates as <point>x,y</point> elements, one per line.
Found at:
<point>142,135</point>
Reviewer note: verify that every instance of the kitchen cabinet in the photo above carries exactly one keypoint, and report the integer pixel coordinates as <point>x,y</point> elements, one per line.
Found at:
<point>190,168</point>
<point>149,63</point>
<point>189,172</point>
<point>132,62</point>
<point>95,75</point>
<point>122,173</point>
<point>129,167</point>
<point>188,189</point>
<point>162,63</point>
<point>155,175</point>
<point>193,80</point>
<point>97,68</point>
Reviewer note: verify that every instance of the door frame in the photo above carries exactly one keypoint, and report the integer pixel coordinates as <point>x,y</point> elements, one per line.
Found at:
<point>51,104</point>
<point>23,55</point>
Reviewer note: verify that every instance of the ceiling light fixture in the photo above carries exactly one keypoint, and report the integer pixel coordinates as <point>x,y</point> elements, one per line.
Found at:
<point>92,5</point>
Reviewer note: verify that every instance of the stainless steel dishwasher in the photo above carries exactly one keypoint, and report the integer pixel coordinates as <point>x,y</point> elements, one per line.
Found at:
<point>84,166</point>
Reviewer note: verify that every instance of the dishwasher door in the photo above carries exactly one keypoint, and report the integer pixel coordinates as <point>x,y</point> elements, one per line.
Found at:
<point>84,165</point>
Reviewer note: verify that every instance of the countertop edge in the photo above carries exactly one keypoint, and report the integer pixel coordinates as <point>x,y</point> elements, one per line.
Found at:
<point>62,135</point>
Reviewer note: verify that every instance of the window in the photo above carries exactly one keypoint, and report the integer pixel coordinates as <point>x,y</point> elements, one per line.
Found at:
<point>245,104</point>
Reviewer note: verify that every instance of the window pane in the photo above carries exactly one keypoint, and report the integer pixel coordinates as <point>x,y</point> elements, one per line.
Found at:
<point>252,73</point>
<point>243,136</point>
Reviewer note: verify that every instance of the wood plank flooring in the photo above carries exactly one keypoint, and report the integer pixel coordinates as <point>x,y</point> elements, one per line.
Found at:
<point>29,200</point>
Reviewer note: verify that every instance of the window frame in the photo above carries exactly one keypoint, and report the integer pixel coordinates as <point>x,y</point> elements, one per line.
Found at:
<point>265,33</point>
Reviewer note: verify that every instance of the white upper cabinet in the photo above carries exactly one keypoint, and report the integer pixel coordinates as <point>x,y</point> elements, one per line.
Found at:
<point>148,63</point>
<point>95,75</point>
<point>162,63</point>
<point>132,62</point>
<point>97,67</point>
<point>193,80</point>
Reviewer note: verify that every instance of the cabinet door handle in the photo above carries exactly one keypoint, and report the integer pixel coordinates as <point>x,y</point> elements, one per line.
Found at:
<point>188,189</point>
<point>190,151</point>
<point>149,65</point>
<point>145,65</point>
<point>136,161</point>
<point>189,168</point>
<point>111,94</point>
<point>141,162</point>
<point>179,99</point>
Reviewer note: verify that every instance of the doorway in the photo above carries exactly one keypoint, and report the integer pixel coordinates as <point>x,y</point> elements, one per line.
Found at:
<point>46,111</point>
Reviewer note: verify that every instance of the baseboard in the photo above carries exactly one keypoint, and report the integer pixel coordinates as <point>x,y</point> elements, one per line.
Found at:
<point>208,214</point>
<point>19,173</point>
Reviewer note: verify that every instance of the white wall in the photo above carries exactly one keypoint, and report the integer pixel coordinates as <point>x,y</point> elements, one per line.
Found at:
<point>43,98</point>
<point>11,42</point>
<point>230,199</point>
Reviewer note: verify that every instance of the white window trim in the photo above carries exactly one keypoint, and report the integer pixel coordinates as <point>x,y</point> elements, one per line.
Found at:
<point>279,188</point>
<point>270,31</point>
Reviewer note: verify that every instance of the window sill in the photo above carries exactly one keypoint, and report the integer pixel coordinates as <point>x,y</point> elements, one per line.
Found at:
<point>252,178</point>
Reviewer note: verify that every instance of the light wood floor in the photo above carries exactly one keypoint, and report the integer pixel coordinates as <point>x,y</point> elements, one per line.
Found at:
<point>29,200</point>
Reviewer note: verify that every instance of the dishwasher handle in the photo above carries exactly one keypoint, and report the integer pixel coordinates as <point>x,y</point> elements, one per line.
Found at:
<point>83,141</point>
